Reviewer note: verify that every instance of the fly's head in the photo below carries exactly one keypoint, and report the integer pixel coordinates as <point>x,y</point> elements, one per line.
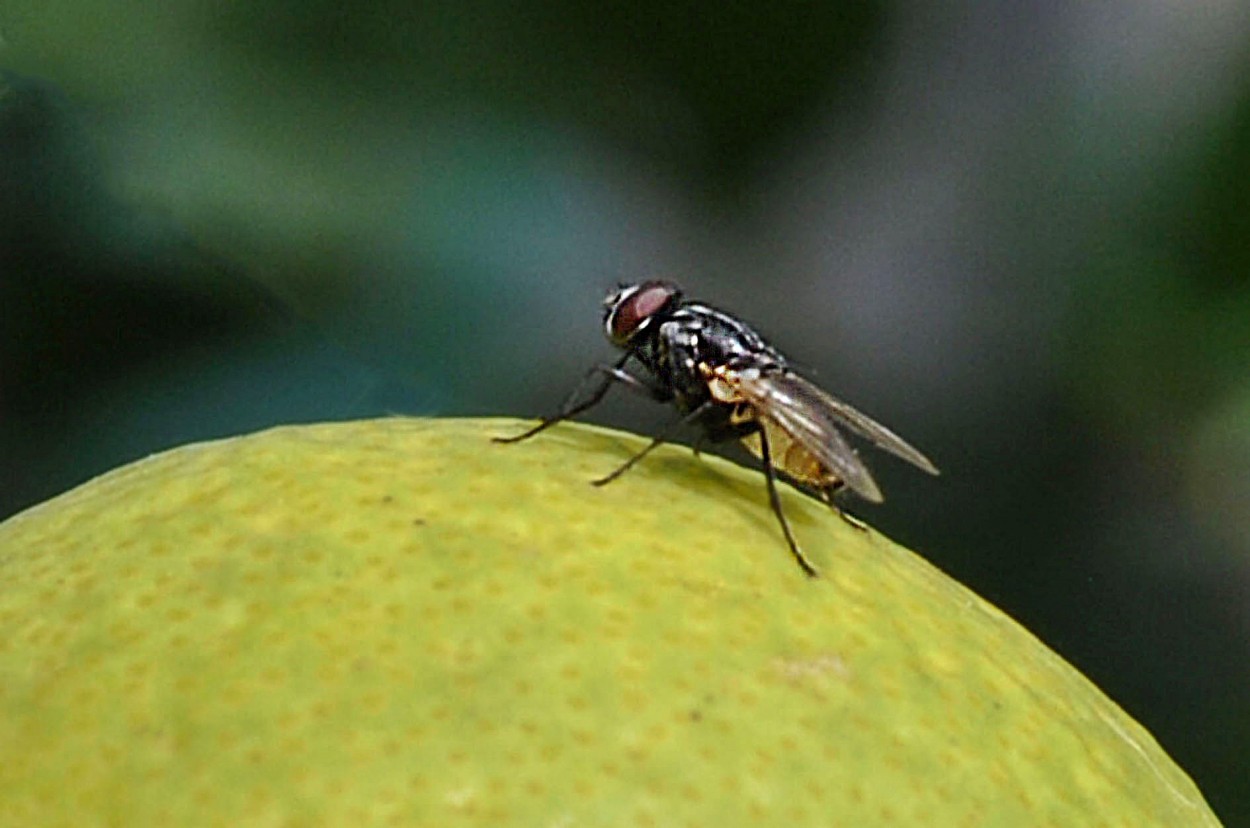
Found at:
<point>632,311</point>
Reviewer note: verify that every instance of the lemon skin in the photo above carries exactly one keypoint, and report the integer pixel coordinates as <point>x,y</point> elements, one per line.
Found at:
<point>398,622</point>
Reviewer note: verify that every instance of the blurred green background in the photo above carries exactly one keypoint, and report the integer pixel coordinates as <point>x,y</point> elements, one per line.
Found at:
<point>1019,234</point>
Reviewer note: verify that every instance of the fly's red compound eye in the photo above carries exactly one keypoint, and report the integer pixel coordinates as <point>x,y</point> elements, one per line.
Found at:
<point>631,308</point>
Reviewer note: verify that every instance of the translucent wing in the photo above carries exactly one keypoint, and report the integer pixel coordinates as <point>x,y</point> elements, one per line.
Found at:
<point>812,418</point>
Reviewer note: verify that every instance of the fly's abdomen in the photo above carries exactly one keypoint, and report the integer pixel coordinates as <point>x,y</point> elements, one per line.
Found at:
<point>789,456</point>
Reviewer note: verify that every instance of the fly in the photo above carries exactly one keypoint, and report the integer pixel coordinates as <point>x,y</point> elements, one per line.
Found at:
<point>724,378</point>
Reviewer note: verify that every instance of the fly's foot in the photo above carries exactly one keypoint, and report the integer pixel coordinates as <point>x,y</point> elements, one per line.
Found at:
<point>855,522</point>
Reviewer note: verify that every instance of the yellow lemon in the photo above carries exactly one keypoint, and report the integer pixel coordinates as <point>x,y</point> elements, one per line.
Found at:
<point>397,622</point>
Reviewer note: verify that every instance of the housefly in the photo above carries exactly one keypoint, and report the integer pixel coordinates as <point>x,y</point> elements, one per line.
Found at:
<point>724,378</point>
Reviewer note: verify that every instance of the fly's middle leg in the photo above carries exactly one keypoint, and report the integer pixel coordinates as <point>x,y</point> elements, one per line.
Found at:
<point>659,440</point>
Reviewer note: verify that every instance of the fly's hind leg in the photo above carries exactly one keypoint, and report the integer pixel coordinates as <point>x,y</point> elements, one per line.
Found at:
<point>827,493</point>
<point>770,477</point>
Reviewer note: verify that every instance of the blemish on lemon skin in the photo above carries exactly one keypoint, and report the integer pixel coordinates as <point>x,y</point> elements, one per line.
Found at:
<point>824,666</point>
<point>297,636</point>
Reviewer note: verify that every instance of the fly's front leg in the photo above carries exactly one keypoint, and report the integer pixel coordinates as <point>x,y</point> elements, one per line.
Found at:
<point>770,476</point>
<point>606,375</point>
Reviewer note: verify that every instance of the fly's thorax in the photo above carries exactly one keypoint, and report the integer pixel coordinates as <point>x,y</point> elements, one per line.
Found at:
<point>672,353</point>
<point>726,339</point>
